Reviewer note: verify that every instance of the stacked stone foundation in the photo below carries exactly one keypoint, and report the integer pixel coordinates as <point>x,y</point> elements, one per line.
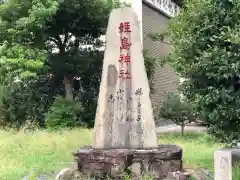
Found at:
<point>119,163</point>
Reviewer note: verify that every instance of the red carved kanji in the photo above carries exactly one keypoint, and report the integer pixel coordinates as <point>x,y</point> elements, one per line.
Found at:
<point>127,59</point>
<point>125,27</point>
<point>121,27</point>
<point>127,75</point>
<point>125,44</point>
<point>121,58</point>
<point>121,73</point>
<point>124,58</point>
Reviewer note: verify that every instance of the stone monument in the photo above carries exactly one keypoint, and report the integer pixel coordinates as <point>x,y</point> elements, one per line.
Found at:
<point>124,138</point>
<point>224,159</point>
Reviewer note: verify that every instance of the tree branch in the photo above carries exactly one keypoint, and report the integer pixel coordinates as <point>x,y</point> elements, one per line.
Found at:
<point>66,36</point>
<point>61,45</point>
<point>76,43</point>
<point>55,41</point>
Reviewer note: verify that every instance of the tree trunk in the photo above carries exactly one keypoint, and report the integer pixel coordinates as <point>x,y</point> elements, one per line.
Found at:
<point>68,82</point>
<point>182,129</point>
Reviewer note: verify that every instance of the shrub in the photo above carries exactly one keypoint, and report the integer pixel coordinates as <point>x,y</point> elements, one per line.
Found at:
<point>63,113</point>
<point>180,112</point>
<point>27,100</point>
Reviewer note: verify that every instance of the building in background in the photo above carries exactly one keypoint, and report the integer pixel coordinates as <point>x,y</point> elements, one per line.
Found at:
<point>156,15</point>
<point>155,19</point>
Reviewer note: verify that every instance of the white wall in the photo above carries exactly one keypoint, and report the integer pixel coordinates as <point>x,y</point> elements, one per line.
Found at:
<point>166,6</point>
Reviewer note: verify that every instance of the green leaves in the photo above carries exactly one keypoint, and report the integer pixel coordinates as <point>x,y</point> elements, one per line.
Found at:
<point>175,109</point>
<point>62,114</point>
<point>205,37</point>
<point>41,45</point>
<point>20,61</point>
<point>21,19</point>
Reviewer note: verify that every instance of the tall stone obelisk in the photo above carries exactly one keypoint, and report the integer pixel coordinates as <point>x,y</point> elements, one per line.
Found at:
<point>124,117</point>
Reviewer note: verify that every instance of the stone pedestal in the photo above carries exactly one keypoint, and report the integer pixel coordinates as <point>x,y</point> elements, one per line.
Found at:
<point>117,163</point>
<point>224,160</point>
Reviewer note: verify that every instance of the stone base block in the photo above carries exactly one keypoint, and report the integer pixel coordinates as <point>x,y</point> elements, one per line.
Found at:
<point>117,163</point>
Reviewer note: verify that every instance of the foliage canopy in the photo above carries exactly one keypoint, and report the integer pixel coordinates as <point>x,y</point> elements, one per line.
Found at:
<point>176,109</point>
<point>51,48</point>
<point>206,38</point>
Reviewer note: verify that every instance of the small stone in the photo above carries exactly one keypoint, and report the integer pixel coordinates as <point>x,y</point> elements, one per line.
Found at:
<point>68,174</point>
<point>34,174</point>
<point>135,169</point>
<point>176,176</point>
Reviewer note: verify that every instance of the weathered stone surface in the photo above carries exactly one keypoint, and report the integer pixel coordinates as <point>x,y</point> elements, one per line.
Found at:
<point>224,159</point>
<point>116,163</point>
<point>124,118</point>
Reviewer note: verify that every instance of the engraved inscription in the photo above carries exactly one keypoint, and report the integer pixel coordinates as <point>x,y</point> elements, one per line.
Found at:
<point>224,168</point>
<point>119,98</point>
<point>139,93</point>
<point>120,94</point>
<point>139,110</point>
<point>125,58</point>
<point>111,99</point>
<point>124,27</point>
<point>129,109</point>
<point>112,75</point>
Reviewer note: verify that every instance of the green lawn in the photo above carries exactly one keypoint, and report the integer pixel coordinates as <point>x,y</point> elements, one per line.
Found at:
<point>50,151</point>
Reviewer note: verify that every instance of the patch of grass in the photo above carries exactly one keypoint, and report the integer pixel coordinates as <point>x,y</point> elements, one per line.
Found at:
<point>39,151</point>
<point>198,148</point>
<point>236,172</point>
<point>44,152</point>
